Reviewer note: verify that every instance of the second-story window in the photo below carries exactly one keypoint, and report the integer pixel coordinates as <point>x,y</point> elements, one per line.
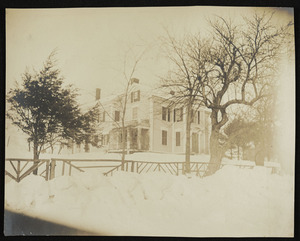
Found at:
<point>166,114</point>
<point>117,115</point>
<point>193,116</point>
<point>102,117</point>
<point>178,114</point>
<point>135,96</point>
<point>134,113</point>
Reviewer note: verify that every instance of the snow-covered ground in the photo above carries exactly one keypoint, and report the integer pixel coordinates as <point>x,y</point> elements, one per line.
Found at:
<point>232,202</point>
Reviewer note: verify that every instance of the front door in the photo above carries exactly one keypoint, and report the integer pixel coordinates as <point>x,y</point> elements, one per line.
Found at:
<point>144,139</point>
<point>195,143</point>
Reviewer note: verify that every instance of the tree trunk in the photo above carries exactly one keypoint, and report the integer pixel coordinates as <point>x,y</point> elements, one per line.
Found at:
<point>188,140</point>
<point>35,157</point>
<point>216,152</point>
<point>123,146</point>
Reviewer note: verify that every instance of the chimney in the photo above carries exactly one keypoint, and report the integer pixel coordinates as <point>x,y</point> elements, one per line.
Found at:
<point>98,91</point>
<point>134,80</point>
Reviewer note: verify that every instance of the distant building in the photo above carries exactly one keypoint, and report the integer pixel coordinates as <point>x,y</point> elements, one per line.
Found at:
<point>151,124</point>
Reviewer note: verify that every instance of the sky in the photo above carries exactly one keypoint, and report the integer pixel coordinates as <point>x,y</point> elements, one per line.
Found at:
<point>93,44</point>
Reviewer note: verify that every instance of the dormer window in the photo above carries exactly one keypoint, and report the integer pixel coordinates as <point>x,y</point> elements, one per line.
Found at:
<point>135,96</point>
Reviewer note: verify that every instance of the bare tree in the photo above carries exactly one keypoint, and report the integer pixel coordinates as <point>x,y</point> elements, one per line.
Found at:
<point>123,98</point>
<point>242,59</point>
<point>183,80</point>
<point>235,67</point>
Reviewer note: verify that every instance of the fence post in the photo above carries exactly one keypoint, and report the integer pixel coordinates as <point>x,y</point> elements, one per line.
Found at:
<point>63,169</point>
<point>47,170</point>
<point>183,168</point>
<point>132,166</point>
<point>52,169</point>
<point>70,168</point>
<point>18,171</point>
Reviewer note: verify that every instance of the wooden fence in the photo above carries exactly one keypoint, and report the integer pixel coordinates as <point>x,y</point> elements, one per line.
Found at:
<point>48,167</point>
<point>21,169</point>
<point>174,168</point>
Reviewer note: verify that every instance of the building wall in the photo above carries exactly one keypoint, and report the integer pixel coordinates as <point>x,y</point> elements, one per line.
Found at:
<point>199,132</point>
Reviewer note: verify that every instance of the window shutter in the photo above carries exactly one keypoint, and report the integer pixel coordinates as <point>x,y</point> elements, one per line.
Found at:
<point>138,93</point>
<point>174,115</point>
<point>163,113</point>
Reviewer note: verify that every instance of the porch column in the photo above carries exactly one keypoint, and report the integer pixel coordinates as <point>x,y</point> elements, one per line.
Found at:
<point>128,139</point>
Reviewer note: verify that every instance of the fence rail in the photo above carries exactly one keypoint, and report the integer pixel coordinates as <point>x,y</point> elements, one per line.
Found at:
<point>174,168</point>
<point>48,167</point>
<point>19,168</point>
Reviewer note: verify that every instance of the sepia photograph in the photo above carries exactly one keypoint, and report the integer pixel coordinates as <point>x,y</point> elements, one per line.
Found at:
<point>150,121</point>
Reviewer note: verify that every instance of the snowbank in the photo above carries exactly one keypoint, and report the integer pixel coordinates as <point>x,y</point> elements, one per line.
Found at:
<point>233,202</point>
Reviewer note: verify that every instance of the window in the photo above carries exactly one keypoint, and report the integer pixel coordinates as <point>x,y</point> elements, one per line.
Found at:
<point>70,144</point>
<point>134,113</point>
<point>96,139</point>
<point>135,96</point>
<point>178,114</point>
<point>117,115</point>
<point>102,116</point>
<point>177,138</point>
<point>193,116</point>
<point>166,114</point>
<point>164,137</point>
<point>121,136</point>
<point>105,139</point>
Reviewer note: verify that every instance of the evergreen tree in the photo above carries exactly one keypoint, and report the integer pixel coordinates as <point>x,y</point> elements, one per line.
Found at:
<point>44,109</point>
